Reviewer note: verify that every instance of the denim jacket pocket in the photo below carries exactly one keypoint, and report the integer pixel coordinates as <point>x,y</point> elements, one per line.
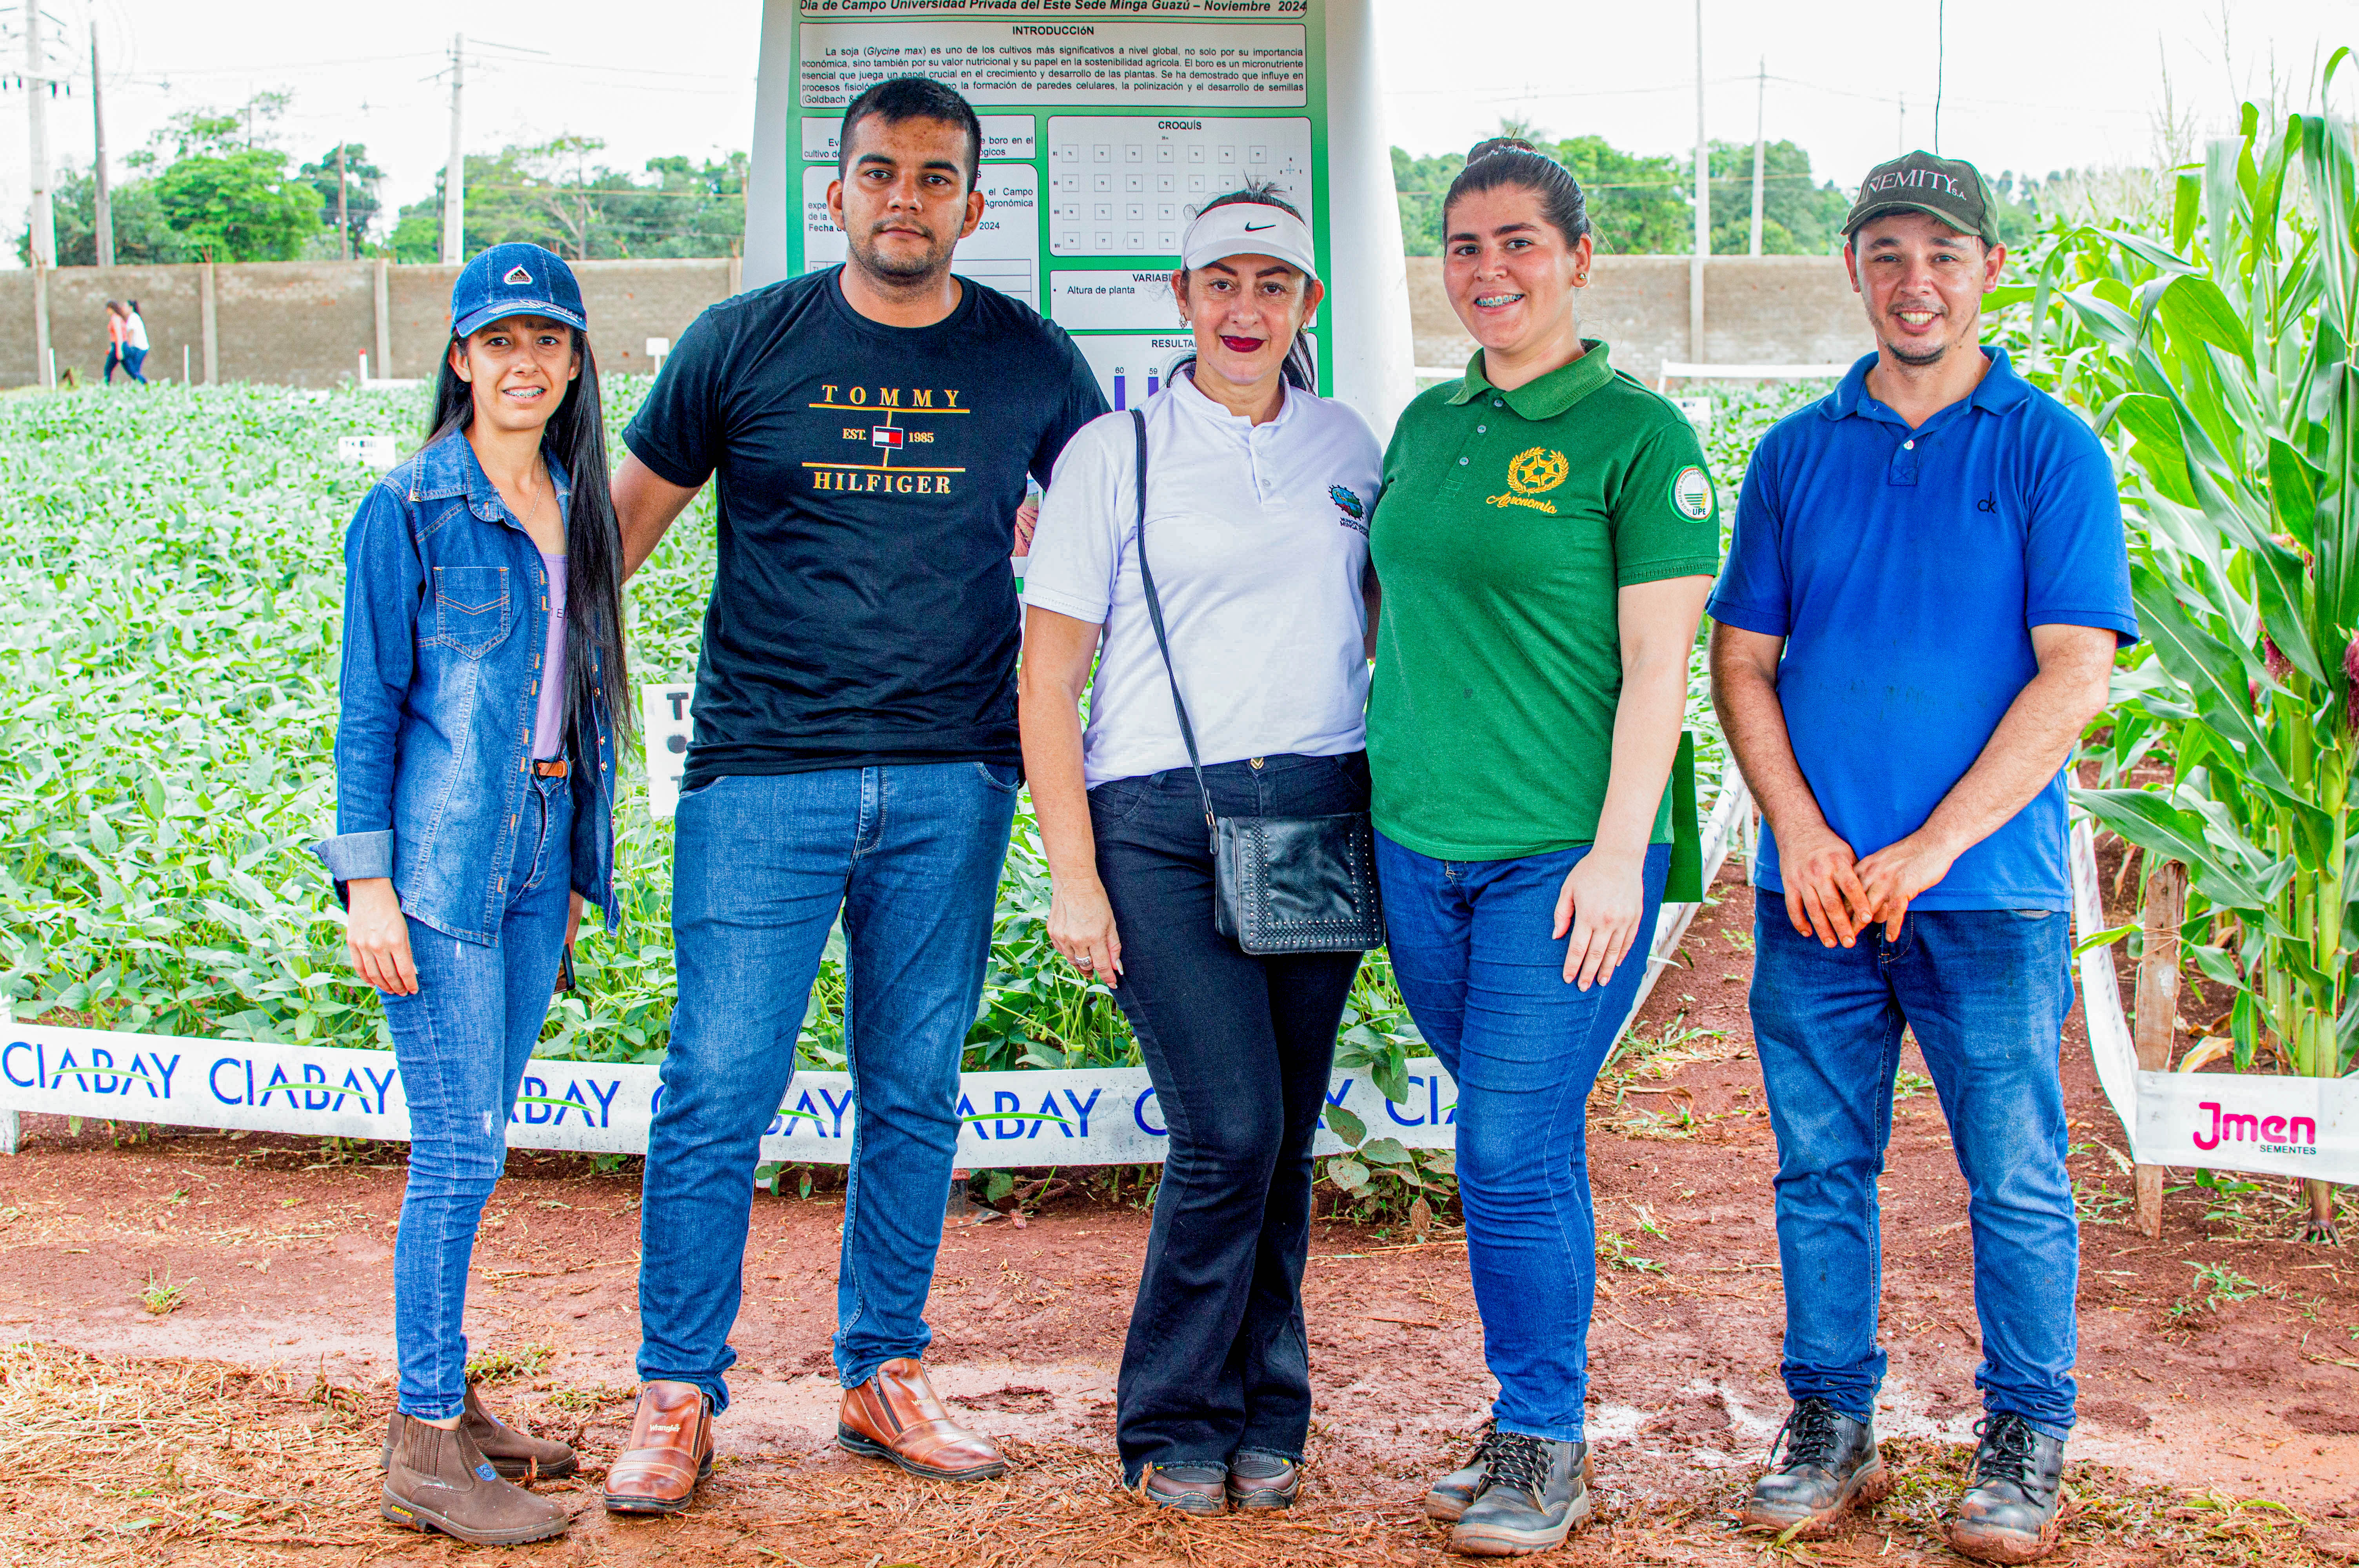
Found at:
<point>470,608</point>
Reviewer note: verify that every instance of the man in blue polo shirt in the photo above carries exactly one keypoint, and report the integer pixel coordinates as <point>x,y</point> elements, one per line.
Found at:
<point>1918,617</point>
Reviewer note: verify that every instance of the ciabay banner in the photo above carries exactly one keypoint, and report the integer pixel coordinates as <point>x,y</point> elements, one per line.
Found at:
<point>2256,1122</point>
<point>1029,1118</point>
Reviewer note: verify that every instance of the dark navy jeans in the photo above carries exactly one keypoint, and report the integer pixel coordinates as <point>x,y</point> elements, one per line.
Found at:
<point>1240,1050</point>
<point>462,1043</point>
<point>1985,992</point>
<point>1486,983</point>
<point>910,855</point>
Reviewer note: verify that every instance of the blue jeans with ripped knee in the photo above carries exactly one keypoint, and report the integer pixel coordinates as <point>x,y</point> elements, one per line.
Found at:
<point>462,1043</point>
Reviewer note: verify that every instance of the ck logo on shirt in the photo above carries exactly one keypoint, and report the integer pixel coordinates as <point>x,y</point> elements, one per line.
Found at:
<point>886,441</point>
<point>1530,472</point>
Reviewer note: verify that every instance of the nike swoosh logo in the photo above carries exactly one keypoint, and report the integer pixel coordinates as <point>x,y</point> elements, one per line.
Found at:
<point>1258,228</point>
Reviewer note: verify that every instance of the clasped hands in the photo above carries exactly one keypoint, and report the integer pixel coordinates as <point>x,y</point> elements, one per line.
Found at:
<point>1832,895</point>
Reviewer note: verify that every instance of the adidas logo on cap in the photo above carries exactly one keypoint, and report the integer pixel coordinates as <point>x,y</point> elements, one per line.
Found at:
<point>517,276</point>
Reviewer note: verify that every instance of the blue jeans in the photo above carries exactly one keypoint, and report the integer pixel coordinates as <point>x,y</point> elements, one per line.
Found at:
<point>462,1043</point>
<point>1486,983</point>
<point>1985,992</point>
<point>910,855</point>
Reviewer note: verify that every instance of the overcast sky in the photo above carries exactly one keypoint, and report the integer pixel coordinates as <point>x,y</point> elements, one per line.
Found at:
<point>2028,84</point>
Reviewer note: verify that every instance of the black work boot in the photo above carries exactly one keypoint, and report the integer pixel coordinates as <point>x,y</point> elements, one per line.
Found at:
<point>1447,1498</point>
<point>2008,1513</point>
<point>1532,1496</point>
<point>1831,1462</point>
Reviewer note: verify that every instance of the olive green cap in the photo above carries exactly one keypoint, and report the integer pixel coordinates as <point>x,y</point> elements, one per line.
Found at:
<point>1949,189</point>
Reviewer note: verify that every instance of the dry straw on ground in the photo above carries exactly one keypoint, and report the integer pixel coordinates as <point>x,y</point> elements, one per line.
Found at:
<point>120,1460</point>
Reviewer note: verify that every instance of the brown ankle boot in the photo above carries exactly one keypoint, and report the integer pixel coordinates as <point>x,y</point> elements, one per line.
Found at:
<point>438,1480</point>
<point>516,1455</point>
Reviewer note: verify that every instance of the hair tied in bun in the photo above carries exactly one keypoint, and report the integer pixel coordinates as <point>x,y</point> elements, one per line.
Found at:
<point>1483,149</point>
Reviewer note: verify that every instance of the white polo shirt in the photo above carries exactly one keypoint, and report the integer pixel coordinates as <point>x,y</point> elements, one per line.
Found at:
<point>1258,535</point>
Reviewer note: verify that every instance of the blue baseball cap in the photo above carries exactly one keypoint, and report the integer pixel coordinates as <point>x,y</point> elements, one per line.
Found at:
<point>514,280</point>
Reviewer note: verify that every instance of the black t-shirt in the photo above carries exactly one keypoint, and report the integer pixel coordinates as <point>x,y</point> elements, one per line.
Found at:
<point>864,611</point>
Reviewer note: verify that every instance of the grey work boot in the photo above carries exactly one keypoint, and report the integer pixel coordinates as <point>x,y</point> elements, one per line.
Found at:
<point>2010,1510</point>
<point>1830,1463</point>
<point>1533,1495</point>
<point>438,1480</point>
<point>1447,1498</point>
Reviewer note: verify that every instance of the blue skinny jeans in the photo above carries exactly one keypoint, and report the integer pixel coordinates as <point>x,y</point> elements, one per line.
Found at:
<point>462,1043</point>
<point>1486,983</point>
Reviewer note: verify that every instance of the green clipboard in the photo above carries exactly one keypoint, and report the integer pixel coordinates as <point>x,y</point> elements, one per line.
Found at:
<point>1685,884</point>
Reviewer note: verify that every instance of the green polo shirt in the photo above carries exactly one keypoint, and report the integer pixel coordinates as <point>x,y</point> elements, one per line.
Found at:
<point>1507,524</point>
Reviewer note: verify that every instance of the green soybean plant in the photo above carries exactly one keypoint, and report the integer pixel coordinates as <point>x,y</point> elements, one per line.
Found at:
<point>2216,361</point>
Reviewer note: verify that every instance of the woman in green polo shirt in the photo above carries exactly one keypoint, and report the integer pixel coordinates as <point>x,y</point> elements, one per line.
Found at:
<point>1546,539</point>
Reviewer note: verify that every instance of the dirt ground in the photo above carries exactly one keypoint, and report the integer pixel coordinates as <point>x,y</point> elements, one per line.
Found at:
<point>2220,1411</point>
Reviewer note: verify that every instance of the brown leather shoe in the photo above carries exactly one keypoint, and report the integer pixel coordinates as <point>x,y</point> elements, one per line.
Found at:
<point>437,1479</point>
<point>1259,1480</point>
<point>896,1416</point>
<point>670,1451</point>
<point>1186,1488</point>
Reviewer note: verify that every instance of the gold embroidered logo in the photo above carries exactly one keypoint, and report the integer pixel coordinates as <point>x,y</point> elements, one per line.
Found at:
<point>1530,472</point>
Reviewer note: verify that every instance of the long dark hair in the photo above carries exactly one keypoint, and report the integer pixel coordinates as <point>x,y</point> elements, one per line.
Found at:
<point>1511,160</point>
<point>575,437</point>
<point>1301,364</point>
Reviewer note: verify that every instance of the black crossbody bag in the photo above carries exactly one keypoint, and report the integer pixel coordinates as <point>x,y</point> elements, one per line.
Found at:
<point>1280,884</point>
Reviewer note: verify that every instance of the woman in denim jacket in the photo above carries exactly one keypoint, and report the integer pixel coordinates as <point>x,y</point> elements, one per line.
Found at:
<point>474,804</point>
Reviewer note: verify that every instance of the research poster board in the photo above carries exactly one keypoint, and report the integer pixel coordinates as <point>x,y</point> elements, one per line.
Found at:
<point>1106,124</point>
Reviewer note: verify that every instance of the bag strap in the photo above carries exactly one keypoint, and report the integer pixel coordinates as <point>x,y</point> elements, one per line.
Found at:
<point>1155,614</point>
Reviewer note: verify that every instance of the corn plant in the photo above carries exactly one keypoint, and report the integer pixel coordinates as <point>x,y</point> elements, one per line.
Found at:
<point>2215,359</point>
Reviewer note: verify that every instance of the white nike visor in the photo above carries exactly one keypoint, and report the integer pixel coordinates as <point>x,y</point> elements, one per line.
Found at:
<point>1248,228</point>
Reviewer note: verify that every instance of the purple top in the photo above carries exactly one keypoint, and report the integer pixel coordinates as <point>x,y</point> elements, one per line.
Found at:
<point>548,720</point>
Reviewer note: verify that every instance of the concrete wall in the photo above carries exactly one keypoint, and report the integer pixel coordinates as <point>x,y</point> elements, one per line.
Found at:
<point>1757,310</point>
<point>306,323</point>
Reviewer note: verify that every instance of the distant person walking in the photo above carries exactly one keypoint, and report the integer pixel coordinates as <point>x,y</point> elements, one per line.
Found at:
<point>1547,537</point>
<point>1925,593</point>
<point>1254,504</point>
<point>134,346</point>
<point>868,429</point>
<point>122,328</point>
<point>482,668</point>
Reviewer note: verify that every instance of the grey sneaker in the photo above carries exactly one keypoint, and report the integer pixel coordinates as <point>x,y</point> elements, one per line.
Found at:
<point>2010,1510</point>
<point>1532,1496</point>
<point>1831,1464</point>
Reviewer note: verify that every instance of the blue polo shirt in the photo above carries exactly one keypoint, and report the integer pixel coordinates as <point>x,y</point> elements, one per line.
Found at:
<point>1906,568</point>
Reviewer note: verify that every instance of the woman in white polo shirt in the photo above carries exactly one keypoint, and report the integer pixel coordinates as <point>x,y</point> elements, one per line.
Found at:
<point>1258,497</point>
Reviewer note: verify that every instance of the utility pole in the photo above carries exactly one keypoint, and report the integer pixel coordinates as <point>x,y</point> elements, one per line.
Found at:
<point>1702,209</point>
<point>1760,120</point>
<point>344,218</point>
<point>103,212</point>
<point>44,244</point>
<point>454,174</point>
<point>1902,136</point>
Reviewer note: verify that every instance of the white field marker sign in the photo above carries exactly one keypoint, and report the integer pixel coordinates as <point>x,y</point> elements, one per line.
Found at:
<point>665,729</point>
<point>379,452</point>
<point>2222,1122</point>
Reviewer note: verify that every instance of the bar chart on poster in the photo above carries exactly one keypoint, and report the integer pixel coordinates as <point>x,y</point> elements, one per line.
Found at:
<point>1105,130</point>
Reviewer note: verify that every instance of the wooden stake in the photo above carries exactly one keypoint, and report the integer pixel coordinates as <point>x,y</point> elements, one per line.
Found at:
<point>2157,1008</point>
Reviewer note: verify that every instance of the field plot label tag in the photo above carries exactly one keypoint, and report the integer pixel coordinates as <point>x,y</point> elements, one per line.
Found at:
<point>666,727</point>
<point>1107,1117</point>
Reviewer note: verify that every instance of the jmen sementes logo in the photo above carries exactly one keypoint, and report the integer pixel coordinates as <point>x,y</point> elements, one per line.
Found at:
<point>2269,1134</point>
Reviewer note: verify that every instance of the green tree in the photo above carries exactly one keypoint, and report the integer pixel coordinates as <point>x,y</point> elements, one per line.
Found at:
<point>238,207</point>
<point>1637,204</point>
<point>1799,216</point>
<point>361,180</point>
<point>142,236</point>
<point>554,194</point>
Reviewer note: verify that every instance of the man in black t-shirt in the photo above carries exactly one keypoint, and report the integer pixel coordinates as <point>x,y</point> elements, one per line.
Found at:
<point>869,428</point>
